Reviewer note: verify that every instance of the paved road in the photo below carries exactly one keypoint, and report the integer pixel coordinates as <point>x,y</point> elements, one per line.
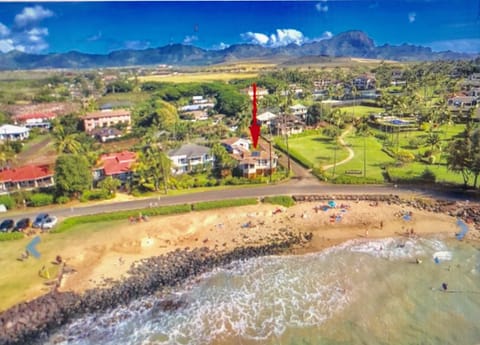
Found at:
<point>303,183</point>
<point>289,188</point>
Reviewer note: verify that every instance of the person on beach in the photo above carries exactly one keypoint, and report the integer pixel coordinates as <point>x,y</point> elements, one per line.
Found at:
<point>444,286</point>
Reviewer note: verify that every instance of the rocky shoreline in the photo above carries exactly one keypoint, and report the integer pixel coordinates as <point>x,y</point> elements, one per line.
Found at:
<point>34,320</point>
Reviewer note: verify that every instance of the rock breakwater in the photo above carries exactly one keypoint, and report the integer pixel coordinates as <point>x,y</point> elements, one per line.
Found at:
<point>33,320</point>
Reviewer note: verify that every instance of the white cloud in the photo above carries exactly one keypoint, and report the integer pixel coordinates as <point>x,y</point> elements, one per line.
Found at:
<point>31,15</point>
<point>322,6</point>
<point>6,45</point>
<point>325,35</point>
<point>4,31</point>
<point>467,45</point>
<point>220,46</point>
<point>412,16</point>
<point>95,37</point>
<point>281,37</point>
<point>137,45</point>
<point>190,39</point>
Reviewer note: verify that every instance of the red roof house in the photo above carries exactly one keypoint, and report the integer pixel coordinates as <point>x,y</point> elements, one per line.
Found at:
<point>26,177</point>
<point>118,165</point>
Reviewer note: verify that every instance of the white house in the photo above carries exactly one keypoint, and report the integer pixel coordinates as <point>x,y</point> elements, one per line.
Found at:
<point>190,157</point>
<point>298,110</point>
<point>11,132</point>
<point>266,117</point>
<point>258,162</point>
<point>235,145</point>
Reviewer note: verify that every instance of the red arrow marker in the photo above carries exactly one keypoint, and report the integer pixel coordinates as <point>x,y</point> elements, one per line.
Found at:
<point>254,127</point>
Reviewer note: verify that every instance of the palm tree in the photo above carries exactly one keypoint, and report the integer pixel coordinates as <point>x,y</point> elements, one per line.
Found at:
<point>363,129</point>
<point>333,132</point>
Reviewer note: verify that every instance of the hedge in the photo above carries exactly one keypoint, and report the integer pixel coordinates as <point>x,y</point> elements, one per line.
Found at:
<point>105,217</point>
<point>9,236</point>
<point>284,200</point>
<point>8,201</point>
<point>208,205</point>
<point>41,199</point>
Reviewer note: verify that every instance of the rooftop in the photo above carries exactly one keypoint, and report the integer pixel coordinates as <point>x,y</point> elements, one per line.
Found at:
<point>189,150</point>
<point>25,173</point>
<point>117,163</point>
<point>112,113</point>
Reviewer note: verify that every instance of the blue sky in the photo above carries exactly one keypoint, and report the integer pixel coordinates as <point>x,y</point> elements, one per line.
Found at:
<point>101,27</point>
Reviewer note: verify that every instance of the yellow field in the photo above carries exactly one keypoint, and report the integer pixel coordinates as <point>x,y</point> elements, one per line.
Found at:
<point>198,77</point>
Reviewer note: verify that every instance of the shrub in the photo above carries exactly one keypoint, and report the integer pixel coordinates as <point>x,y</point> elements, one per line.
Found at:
<point>428,176</point>
<point>8,201</point>
<point>208,205</point>
<point>9,236</point>
<point>284,200</point>
<point>405,156</point>
<point>62,200</point>
<point>96,194</point>
<point>41,199</point>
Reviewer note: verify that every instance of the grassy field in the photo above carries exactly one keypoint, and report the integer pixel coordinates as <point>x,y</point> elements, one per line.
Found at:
<point>415,169</point>
<point>134,97</point>
<point>317,149</point>
<point>199,77</point>
<point>20,280</point>
<point>361,110</point>
<point>375,157</point>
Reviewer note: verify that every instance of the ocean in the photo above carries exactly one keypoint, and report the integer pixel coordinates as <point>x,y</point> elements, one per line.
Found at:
<point>360,292</point>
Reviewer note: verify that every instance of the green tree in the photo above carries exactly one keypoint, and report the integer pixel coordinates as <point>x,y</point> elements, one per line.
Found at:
<point>333,132</point>
<point>110,185</point>
<point>224,163</point>
<point>153,166</point>
<point>64,142</point>
<point>72,175</point>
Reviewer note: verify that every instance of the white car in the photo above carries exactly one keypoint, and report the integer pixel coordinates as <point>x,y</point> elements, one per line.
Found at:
<point>49,222</point>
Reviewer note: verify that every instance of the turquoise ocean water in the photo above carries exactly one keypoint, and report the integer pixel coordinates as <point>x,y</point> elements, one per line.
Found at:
<point>361,292</point>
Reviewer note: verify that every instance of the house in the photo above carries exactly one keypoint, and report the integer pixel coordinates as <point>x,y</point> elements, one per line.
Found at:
<point>266,118</point>
<point>288,125</point>
<point>298,110</point>
<point>105,134</point>
<point>190,157</point>
<point>195,115</point>
<point>260,92</point>
<point>35,120</point>
<point>199,100</point>
<point>462,102</point>
<point>198,106</point>
<point>11,132</point>
<point>236,145</point>
<point>117,165</point>
<point>107,118</point>
<point>258,162</point>
<point>26,177</point>
<point>364,82</point>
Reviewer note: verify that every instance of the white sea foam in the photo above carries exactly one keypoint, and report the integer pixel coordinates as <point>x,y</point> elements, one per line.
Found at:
<point>261,299</point>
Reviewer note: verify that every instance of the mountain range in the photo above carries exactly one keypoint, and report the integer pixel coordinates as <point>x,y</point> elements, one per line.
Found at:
<point>347,44</point>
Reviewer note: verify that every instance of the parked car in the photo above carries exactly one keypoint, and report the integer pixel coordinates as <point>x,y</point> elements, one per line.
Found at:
<point>37,223</point>
<point>7,225</point>
<point>22,224</point>
<point>49,222</point>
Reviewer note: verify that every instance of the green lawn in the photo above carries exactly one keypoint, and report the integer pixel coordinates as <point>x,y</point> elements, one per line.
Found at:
<point>415,169</point>
<point>361,110</point>
<point>375,157</point>
<point>317,149</point>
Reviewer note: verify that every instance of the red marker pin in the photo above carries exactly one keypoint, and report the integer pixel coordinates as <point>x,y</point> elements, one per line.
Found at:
<point>254,127</point>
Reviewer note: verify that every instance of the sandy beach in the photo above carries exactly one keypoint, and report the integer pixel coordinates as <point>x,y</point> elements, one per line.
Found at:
<point>105,256</point>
